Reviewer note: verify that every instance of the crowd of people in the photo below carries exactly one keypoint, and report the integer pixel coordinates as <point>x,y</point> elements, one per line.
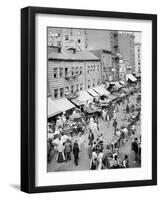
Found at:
<point>102,154</point>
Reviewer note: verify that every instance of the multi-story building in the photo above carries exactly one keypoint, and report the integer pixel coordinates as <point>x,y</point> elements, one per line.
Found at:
<point>70,71</point>
<point>67,38</point>
<point>126,48</point>
<point>137,57</point>
<point>106,63</point>
<point>115,55</point>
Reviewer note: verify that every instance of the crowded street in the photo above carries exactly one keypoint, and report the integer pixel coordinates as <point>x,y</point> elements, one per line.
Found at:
<point>94,99</point>
<point>107,134</point>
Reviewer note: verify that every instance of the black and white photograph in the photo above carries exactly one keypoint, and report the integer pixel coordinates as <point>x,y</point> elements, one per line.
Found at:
<point>94,99</point>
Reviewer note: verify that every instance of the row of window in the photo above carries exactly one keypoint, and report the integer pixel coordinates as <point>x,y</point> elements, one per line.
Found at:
<point>61,91</point>
<point>93,68</point>
<point>67,38</point>
<point>77,87</point>
<point>58,72</point>
<point>93,83</point>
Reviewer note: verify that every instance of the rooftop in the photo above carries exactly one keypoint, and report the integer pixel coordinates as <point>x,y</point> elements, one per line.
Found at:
<point>68,55</point>
<point>98,52</point>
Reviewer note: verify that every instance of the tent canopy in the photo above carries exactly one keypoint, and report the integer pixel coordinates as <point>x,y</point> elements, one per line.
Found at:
<point>130,77</point>
<point>84,96</point>
<point>77,102</point>
<point>57,106</point>
<point>92,92</point>
<point>101,90</point>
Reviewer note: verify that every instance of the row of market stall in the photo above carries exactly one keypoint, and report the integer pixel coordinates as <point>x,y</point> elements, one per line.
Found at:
<point>92,100</point>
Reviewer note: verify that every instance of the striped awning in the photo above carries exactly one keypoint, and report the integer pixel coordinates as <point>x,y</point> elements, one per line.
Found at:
<point>101,90</point>
<point>92,92</point>
<point>84,96</point>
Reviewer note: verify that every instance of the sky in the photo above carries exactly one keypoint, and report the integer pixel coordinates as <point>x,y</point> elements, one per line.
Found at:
<point>100,39</point>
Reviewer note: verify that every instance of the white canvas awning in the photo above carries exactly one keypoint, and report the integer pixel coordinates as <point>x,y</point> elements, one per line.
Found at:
<point>84,96</point>
<point>57,106</point>
<point>92,92</point>
<point>77,102</point>
<point>131,77</point>
<point>101,90</point>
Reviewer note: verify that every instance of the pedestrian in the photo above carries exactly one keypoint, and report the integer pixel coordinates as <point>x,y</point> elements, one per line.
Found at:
<point>91,138</point>
<point>94,161</point>
<point>91,122</point>
<point>76,152</point>
<point>108,120</point>
<point>95,129</point>
<point>115,125</point>
<point>68,150</point>
<point>127,109</point>
<point>104,115</point>
<point>126,162</point>
<point>100,156</point>
<point>135,148</point>
<point>114,114</point>
<point>60,156</point>
<point>89,151</point>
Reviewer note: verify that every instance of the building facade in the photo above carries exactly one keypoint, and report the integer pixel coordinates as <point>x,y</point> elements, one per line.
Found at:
<point>137,57</point>
<point>127,49</point>
<point>71,71</point>
<point>115,56</point>
<point>67,38</point>
<point>106,63</point>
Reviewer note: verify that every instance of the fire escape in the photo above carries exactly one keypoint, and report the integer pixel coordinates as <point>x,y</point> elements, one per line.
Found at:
<point>115,54</point>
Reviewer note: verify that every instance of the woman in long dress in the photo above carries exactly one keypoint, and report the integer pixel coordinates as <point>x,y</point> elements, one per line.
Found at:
<point>60,149</point>
<point>100,156</point>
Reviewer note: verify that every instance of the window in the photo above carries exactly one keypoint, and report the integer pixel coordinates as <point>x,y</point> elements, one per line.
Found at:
<point>88,70</point>
<point>61,72</point>
<point>66,37</point>
<point>80,70</point>
<point>56,93</point>
<point>98,68</point>
<point>66,71</point>
<point>88,83</point>
<point>81,86</point>
<point>77,70</point>
<point>94,68</point>
<point>72,89</point>
<point>91,68</point>
<point>93,82</point>
<point>77,87</point>
<point>72,70</point>
<point>67,89</point>
<point>55,72</point>
<point>59,43</point>
<point>61,92</point>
